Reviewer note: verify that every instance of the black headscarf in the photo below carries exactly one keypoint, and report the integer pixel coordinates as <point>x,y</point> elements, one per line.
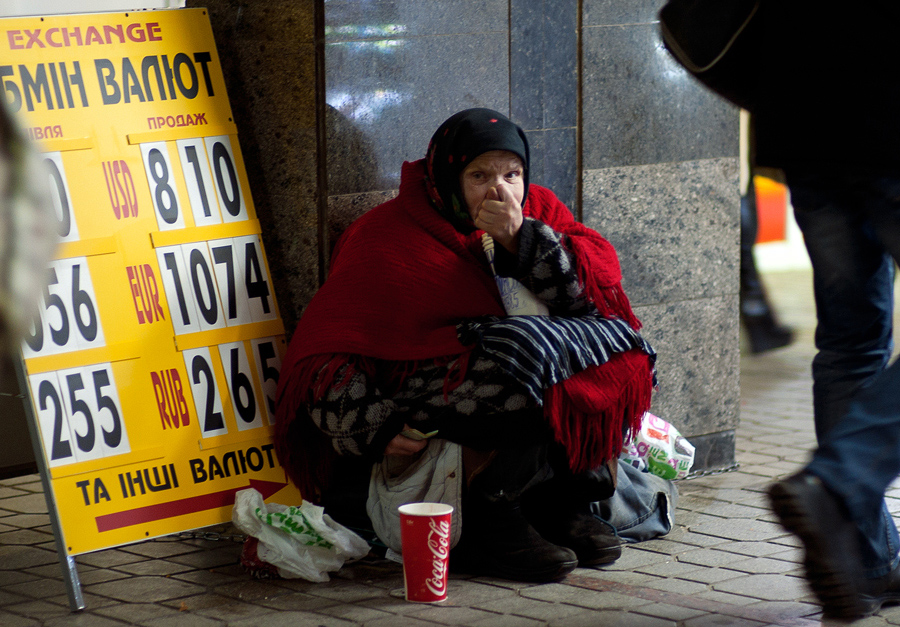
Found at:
<point>460,139</point>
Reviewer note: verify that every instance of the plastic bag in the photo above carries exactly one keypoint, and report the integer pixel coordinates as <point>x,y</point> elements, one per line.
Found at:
<point>435,476</point>
<point>659,448</point>
<point>302,542</point>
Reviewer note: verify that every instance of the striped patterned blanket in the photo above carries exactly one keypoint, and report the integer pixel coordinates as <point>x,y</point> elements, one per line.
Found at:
<point>541,351</point>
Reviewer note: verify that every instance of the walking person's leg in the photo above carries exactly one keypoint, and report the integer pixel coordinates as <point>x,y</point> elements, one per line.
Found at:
<point>836,505</point>
<point>763,329</point>
<point>852,282</point>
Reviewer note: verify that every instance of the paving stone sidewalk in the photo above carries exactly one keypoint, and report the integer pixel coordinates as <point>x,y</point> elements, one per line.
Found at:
<point>725,563</point>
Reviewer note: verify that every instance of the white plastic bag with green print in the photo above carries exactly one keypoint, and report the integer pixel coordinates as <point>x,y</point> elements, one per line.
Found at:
<point>302,542</point>
<point>658,447</point>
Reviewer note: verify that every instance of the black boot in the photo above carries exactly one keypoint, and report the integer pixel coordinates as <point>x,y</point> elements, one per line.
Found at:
<point>764,332</point>
<point>497,541</point>
<point>571,524</point>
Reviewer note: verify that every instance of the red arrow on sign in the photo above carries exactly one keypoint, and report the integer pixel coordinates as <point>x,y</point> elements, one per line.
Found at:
<point>189,505</point>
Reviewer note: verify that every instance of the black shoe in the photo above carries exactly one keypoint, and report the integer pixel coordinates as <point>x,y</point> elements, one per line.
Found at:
<point>765,334</point>
<point>832,561</point>
<point>881,591</point>
<point>563,517</point>
<point>497,541</point>
<point>594,541</point>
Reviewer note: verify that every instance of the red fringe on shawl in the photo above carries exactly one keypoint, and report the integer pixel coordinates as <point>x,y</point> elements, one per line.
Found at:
<point>610,300</point>
<point>589,413</point>
<point>303,451</point>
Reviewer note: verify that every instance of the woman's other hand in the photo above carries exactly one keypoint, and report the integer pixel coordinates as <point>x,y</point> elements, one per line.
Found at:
<point>402,445</point>
<point>500,216</point>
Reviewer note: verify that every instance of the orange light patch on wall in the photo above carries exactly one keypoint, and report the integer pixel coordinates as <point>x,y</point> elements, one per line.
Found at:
<point>771,208</point>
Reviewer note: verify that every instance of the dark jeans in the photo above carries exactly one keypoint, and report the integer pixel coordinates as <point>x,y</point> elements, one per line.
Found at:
<point>851,225</point>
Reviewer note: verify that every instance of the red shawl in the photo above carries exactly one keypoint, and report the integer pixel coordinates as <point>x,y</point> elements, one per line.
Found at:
<point>402,277</point>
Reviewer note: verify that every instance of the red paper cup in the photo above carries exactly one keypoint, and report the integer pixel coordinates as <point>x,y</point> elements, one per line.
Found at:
<point>425,535</point>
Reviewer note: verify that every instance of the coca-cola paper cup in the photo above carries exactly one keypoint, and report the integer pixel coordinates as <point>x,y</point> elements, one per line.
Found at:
<point>425,535</point>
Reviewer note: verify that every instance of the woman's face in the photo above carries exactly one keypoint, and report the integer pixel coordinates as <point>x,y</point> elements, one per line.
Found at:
<point>492,169</point>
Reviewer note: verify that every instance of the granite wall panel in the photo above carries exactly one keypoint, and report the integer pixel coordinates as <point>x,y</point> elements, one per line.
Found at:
<point>698,363</point>
<point>660,181</point>
<point>396,70</point>
<point>675,226</point>
<point>344,209</point>
<point>376,20</point>
<point>676,229</point>
<point>553,162</point>
<point>641,107</point>
<point>526,67</point>
<point>543,89</point>
<point>543,63</point>
<point>609,12</point>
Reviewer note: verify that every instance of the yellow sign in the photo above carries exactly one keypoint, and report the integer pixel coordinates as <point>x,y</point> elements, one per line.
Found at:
<point>153,365</point>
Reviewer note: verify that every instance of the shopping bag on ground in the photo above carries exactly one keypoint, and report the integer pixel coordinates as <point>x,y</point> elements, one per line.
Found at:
<point>658,447</point>
<point>301,542</point>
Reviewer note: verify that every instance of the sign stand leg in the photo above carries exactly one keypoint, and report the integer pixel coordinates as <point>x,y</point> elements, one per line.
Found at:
<point>66,561</point>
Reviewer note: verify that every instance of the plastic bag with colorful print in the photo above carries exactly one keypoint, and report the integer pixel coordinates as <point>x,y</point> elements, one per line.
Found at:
<point>659,448</point>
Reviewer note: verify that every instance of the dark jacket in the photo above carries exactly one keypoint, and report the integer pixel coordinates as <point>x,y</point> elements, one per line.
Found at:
<point>830,86</point>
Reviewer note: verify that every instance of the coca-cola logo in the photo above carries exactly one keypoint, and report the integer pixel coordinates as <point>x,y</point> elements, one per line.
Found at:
<point>439,545</point>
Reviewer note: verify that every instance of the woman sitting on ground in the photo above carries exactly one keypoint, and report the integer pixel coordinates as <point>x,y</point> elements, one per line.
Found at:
<point>409,332</point>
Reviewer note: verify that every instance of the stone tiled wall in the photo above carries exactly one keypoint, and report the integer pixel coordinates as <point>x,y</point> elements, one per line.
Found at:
<point>631,143</point>
<point>661,183</point>
<point>396,70</point>
<point>543,89</point>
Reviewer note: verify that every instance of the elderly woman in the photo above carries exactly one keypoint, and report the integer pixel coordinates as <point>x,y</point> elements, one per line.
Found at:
<point>408,339</point>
